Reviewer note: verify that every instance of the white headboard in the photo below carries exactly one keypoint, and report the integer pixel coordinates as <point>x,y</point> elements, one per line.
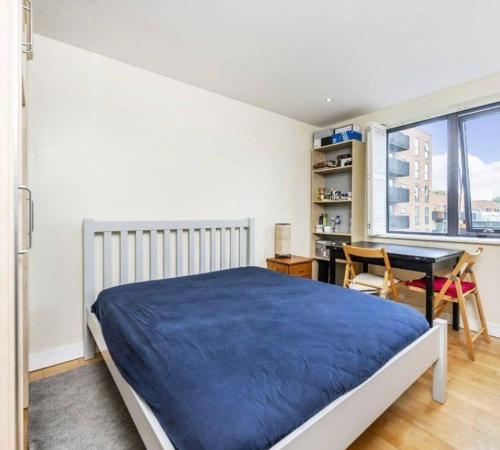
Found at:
<point>117,253</point>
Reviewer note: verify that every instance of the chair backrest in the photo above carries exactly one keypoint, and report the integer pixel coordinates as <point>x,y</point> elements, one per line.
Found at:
<point>465,263</point>
<point>462,269</point>
<point>366,253</point>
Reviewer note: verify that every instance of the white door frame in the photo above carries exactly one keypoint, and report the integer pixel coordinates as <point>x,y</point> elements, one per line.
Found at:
<point>10,110</point>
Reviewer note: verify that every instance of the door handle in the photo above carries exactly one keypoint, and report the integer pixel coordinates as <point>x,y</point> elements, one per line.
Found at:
<point>31,221</point>
<point>28,45</point>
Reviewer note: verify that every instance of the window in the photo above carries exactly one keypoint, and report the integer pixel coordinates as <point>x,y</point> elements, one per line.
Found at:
<point>461,165</point>
<point>480,170</point>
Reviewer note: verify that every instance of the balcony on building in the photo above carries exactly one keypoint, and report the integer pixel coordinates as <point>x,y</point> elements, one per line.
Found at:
<point>398,168</point>
<point>399,223</point>
<point>398,142</point>
<point>398,195</point>
<point>438,216</point>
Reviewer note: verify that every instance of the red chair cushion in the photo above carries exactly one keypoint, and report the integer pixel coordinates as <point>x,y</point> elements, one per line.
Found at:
<point>439,283</point>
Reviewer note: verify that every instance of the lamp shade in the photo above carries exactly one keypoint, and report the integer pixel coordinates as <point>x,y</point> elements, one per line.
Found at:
<point>282,240</point>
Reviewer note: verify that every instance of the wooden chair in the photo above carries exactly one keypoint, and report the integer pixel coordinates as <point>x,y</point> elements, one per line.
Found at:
<point>456,288</point>
<point>367,282</point>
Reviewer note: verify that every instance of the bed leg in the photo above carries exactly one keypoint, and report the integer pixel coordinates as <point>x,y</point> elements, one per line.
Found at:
<point>88,342</point>
<point>440,368</point>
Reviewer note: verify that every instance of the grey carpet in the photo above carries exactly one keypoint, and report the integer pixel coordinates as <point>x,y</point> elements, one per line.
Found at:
<point>80,410</point>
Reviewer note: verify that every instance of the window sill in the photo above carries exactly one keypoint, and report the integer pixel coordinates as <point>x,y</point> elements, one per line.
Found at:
<point>457,239</point>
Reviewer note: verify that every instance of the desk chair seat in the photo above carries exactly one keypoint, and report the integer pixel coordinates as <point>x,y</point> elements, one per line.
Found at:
<point>458,287</point>
<point>439,282</point>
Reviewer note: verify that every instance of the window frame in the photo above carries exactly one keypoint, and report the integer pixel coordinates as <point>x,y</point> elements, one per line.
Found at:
<point>456,158</point>
<point>476,113</point>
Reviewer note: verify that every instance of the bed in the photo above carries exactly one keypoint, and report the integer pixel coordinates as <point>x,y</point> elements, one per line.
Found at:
<point>234,356</point>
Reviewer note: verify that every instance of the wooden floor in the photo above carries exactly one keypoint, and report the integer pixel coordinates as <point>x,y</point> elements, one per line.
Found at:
<point>470,419</point>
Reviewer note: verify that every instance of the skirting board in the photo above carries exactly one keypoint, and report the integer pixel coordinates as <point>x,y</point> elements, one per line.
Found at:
<point>64,354</point>
<point>493,328</point>
<point>56,356</point>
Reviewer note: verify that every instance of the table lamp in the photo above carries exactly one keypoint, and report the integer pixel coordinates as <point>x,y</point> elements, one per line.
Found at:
<point>282,240</point>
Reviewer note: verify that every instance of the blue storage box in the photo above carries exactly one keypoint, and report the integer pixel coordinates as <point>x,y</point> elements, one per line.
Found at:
<point>346,136</point>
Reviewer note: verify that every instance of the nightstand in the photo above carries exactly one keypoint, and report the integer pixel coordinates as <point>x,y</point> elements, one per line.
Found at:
<point>297,266</point>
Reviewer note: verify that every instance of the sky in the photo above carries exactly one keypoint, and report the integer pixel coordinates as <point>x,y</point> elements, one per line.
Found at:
<point>483,147</point>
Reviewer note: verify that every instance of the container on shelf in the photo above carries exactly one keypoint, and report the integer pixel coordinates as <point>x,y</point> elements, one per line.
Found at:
<point>322,250</point>
<point>346,136</point>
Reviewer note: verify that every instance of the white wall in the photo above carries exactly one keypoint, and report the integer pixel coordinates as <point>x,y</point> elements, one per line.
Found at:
<point>112,142</point>
<point>467,95</point>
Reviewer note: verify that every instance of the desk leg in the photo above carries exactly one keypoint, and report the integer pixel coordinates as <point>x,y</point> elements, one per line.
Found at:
<point>456,313</point>
<point>333,265</point>
<point>429,295</point>
<point>456,317</point>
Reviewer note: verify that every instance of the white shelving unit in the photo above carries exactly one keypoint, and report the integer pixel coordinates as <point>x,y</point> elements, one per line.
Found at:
<point>344,179</point>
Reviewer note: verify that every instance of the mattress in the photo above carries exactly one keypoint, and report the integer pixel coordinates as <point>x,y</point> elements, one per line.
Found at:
<point>238,359</point>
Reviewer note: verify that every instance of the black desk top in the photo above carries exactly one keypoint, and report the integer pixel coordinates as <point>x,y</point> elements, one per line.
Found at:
<point>409,251</point>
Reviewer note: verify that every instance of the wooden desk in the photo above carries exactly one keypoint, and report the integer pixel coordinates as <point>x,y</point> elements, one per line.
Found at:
<point>419,259</point>
<point>298,266</point>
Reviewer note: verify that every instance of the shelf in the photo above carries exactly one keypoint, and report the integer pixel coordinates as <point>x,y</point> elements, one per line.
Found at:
<point>338,146</point>
<point>322,233</point>
<point>330,202</point>
<point>330,170</point>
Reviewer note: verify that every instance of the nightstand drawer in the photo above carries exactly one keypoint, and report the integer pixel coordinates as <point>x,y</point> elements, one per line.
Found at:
<point>276,267</point>
<point>297,266</point>
<point>300,270</point>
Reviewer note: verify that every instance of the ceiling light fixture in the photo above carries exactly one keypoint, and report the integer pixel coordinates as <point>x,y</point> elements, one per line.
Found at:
<point>328,100</point>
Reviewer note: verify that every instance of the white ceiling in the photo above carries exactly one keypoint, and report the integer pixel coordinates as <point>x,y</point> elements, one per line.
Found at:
<point>287,56</point>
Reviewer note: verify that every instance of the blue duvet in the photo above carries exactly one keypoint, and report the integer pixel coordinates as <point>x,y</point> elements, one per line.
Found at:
<point>238,359</point>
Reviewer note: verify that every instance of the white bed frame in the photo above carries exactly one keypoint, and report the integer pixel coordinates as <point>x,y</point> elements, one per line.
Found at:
<point>231,244</point>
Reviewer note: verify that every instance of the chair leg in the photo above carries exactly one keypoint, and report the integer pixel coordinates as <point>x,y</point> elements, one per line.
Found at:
<point>468,337</point>
<point>346,276</point>
<point>395,292</point>
<point>482,317</point>
<point>439,308</point>
<point>394,288</point>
